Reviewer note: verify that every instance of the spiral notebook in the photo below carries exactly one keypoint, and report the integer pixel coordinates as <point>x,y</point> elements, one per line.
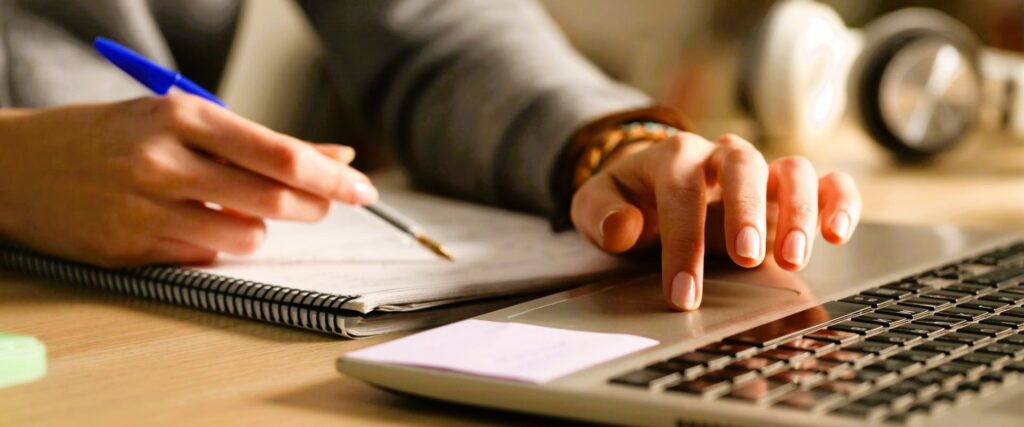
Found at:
<point>353,275</point>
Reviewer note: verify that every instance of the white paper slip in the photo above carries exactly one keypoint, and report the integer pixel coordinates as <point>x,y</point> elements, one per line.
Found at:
<point>514,351</point>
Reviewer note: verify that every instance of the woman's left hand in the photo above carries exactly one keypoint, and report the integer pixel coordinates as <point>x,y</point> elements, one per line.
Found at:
<point>666,192</point>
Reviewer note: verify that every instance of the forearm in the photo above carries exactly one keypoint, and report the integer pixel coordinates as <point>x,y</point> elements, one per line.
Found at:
<point>479,97</point>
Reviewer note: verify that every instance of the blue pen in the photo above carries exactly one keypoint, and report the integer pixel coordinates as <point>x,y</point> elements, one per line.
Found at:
<point>158,79</point>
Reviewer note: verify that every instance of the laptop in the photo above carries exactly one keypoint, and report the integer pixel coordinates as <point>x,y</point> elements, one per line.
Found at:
<point>903,325</point>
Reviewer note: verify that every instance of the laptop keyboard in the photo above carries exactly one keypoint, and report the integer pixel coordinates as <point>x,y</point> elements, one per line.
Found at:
<point>896,352</point>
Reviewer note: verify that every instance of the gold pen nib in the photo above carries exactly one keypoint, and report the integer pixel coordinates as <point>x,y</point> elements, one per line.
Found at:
<point>434,247</point>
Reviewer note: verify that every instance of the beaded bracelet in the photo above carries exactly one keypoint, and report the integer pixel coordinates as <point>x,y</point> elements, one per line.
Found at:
<point>609,141</point>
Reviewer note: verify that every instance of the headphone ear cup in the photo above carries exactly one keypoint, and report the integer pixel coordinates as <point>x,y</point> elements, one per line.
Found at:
<point>795,82</point>
<point>884,39</point>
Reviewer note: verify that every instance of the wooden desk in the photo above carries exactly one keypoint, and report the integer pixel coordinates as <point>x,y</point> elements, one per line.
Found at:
<point>122,361</point>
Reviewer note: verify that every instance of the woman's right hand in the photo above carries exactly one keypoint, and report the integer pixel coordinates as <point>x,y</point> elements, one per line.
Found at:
<point>172,179</point>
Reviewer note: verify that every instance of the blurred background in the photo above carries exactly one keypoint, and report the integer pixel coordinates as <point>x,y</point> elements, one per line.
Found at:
<point>694,54</point>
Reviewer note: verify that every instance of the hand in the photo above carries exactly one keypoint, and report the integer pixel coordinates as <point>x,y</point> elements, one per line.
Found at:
<point>663,192</point>
<point>171,179</point>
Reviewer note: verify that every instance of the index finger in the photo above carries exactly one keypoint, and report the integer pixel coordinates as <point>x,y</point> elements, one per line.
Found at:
<point>681,192</point>
<point>263,151</point>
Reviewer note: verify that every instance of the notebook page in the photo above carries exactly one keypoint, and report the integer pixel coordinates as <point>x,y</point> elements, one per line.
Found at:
<point>353,252</point>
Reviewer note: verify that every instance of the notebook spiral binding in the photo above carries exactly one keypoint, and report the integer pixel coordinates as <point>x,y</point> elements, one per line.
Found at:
<point>209,292</point>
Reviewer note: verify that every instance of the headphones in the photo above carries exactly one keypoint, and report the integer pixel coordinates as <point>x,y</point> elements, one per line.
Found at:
<point>917,79</point>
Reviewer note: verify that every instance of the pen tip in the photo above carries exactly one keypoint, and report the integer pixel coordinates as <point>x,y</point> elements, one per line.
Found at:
<point>435,247</point>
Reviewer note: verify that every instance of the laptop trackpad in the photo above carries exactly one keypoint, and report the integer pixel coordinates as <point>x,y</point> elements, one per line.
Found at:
<point>637,307</point>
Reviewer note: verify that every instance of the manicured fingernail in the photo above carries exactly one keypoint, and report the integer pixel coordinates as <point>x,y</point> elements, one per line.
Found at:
<point>684,291</point>
<point>795,247</point>
<point>841,224</point>
<point>363,193</point>
<point>604,223</point>
<point>748,243</point>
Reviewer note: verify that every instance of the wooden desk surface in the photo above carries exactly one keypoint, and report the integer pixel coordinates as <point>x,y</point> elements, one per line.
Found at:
<point>116,360</point>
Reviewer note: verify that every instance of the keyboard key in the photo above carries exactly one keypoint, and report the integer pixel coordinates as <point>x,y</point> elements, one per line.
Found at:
<point>1015,312</point>
<point>645,378</point>
<point>816,399</point>
<point>760,389</point>
<point>986,329</point>
<point>997,276</point>
<point>761,364</point>
<point>967,370</point>
<point>888,399</point>
<point>888,293</point>
<point>920,329</point>
<point>810,345</point>
<point>800,377</point>
<point>942,321</point>
<point>880,318</point>
<point>967,288</point>
<point>942,376</point>
<point>868,300</point>
<point>998,377</point>
<point>874,375</point>
<point>929,303</point>
<point>925,357</point>
<point>1007,297</point>
<point>712,361</point>
<point>959,337</point>
<point>906,311</point>
<point>1015,366</point>
<point>734,350</point>
<point>784,355</point>
<point>817,365</point>
<point>839,337</point>
<point>1009,321</point>
<point>1019,289</point>
<point>896,338</point>
<point>906,286</point>
<point>987,359</point>
<point>859,411</point>
<point>963,313</point>
<point>844,356</point>
<point>953,297</point>
<point>857,327</point>
<point>702,387</point>
<point>846,387</point>
<point>872,347</point>
<point>1017,339</point>
<point>684,368</point>
<point>737,375</point>
<point>984,305</point>
<point>942,347</point>
<point>1011,350</point>
<point>893,365</point>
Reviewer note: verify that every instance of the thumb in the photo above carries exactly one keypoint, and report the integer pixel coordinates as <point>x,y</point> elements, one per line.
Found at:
<point>605,217</point>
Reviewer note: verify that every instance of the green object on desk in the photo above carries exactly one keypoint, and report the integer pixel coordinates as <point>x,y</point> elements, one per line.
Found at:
<point>22,359</point>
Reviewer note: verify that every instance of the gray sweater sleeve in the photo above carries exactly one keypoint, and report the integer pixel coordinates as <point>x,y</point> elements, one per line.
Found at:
<point>479,96</point>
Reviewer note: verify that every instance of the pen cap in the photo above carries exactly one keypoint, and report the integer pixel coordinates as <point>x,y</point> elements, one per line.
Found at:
<point>156,78</point>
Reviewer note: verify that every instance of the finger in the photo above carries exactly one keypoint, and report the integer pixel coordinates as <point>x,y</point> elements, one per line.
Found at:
<point>261,150</point>
<point>215,231</point>
<point>743,177</point>
<point>174,251</point>
<point>840,206</point>
<point>795,187</point>
<point>205,180</point>
<point>341,153</point>
<point>681,194</point>
<point>604,216</point>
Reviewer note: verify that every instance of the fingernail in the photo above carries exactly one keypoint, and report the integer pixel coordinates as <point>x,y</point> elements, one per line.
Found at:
<point>604,220</point>
<point>748,243</point>
<point>795,247</point>
<point>363,193</point>
<point>684,291</point>
<point>841,224</point>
